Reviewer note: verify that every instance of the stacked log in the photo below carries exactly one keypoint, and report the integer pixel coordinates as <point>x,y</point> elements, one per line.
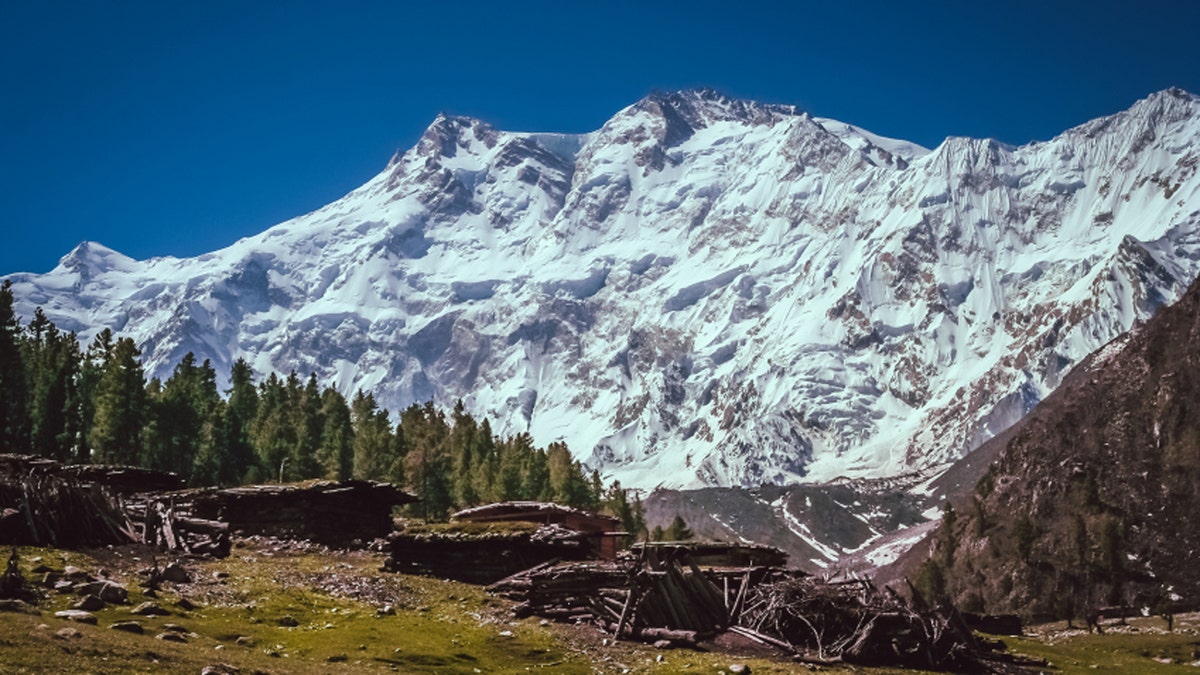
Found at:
<point>44,509</point>
<point>813,620</point>
<point>671,601</point>
<point>168,522</point>
<point>482,554</point>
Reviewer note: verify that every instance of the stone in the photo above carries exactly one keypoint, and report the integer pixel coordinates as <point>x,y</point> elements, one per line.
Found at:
<point>220,669</point>
<point>68,633</point>
<point>105,589</point>
<point>75,574</point>
<point>739,669</point>
<point>176,574</point>
<point>288,621</point>
<point>150,608</point>
<point>662,644</point>
<point>128,627</point>
<point>64,586</point>
<point>41,569</point>
<point>171,637</point>
<point>185,604</point>
<point>19,606</point>
<point>77,615</point>
<point>174,628</point>
<point>244,641</point>
<point>89,603</point>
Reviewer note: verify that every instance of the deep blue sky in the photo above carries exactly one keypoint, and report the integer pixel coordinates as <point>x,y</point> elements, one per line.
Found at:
<point>174,128</point>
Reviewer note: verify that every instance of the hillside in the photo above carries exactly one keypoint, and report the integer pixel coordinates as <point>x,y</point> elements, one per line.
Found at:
<point>1093,498</point>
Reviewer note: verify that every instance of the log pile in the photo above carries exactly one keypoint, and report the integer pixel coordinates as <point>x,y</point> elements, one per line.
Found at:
<point>671,599</point>
<point>812,620</point>
<point>167,521</point>
<point>482,553</point>
<point>43,509</point>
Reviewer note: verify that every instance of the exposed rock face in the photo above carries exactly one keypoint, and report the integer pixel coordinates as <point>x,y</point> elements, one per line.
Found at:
<point>1094,496</point>
<point>704,291</point>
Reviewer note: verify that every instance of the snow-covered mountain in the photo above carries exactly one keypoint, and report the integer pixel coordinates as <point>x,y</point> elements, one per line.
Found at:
<point>704,291</point>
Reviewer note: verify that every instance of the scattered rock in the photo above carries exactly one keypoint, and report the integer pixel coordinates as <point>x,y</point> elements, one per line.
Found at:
<point>338,658</point>
<point>108,591</point>
<point>288,621</point>
<point>662,644</point>
<point>174,628</point>
<point>185,604</point>
<point>386,610</point>
<point>220,669</point>
<point>49,578</point>
<point>244,641</point>
<point>64,586</point>
<point>506,633</point>
<point>42,569</point>
<point>75,574</point>
<point>220,576</point>
<point>77,615</point>
<point>128,627</point>
<point>739,669</point>
<point>171,637</point>
<point>68,633</point>
<point>176,574</point>
<point>89,603</point>
<point>150,608</point>
<point>18,605</point>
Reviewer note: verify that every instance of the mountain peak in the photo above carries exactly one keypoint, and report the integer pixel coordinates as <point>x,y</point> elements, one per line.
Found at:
<point>701,107</point>
<point>447,133</point>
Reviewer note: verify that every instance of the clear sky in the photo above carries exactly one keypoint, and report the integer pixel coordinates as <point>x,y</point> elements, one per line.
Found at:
<point>175,128</point>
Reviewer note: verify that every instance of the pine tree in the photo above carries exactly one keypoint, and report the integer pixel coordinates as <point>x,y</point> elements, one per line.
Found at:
<point>336,456</point>
<point>240,415</point>
<point>462,447</point>
<point>374,444</point>
<point>13,384</point>
<point>91,371</point>
<point>120,407</point>
<point>678,530</point>
<point>309,425</point>
<point>273,433</point>
<point>52,359</point>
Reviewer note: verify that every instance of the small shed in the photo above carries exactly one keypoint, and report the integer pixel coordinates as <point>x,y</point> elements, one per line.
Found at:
<point>329,512</point>
<point>603,532</point>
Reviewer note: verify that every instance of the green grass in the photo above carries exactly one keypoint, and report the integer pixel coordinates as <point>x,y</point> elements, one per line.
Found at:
<point>438,626</point>
<point>1131,649</point>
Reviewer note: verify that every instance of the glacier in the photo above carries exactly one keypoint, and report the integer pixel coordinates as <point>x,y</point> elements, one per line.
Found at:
<point>703,292</point>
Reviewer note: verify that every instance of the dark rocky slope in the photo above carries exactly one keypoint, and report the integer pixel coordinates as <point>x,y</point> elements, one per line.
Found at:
<point>1093,498</point>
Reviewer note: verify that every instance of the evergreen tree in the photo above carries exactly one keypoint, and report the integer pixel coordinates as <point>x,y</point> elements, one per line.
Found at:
<point>52,360</point>
<point>120,407</point>
<point>240,415</point>
<point>13,384</point>
<point>273,431</point>
<point>427,462</point>
<point>374,444</point>
<point>309,425</point>
<point>91,371</point>
<point>678,530</point>
<point>336,456</point>
<point>462,449</point>
<point>180,413</point>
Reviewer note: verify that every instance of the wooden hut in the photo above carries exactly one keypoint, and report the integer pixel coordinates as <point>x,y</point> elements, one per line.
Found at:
<point>601,532</point>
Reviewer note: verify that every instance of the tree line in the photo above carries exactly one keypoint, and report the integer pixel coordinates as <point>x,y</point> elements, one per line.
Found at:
<point>95,405</point>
